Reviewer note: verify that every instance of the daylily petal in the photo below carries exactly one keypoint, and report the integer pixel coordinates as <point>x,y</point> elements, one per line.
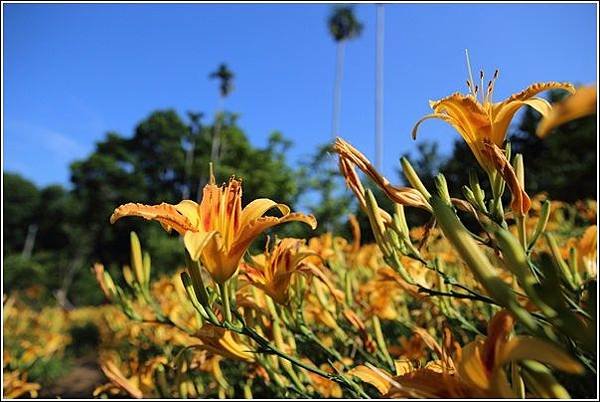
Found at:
<point>538,87</point>
<point>254,228</point>
<point>222,342</point>
<point>429,340</point>
<point>470,135</point>
<point>472,132</point>
<point>464,109</point>
<point>353,182</point>
<point>273,276</point>
<point>254,275</point>
<point>469,118</point>
<point>500,385</point>
<point>209,207</point>
<point>530,348</point>
<point>195,242</point>
<point>520,202</point>
<point>402,195</point>
<point>114,374</point>
<point>440,116</point>
<point>587,249</point>
<point>278,287</point>
<point>167,214</point>
<point>499,330</point>
<point>189,209</point>
<point>258,208</point>
<point>503,112</point>
<point>320,275</point>
<point>370,376</point>
<point>221,263</point>
<point>470,368</point>
<point>582,103</point>
<point>426,383</point>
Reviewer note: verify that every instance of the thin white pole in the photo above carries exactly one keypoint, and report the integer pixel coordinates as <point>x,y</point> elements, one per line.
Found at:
<point>379,87</point>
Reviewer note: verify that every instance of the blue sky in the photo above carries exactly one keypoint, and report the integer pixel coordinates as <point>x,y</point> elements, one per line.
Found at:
<point>74,72</point>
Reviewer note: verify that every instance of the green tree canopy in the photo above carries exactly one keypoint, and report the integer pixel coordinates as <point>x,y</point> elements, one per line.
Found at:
<point>21,199</point>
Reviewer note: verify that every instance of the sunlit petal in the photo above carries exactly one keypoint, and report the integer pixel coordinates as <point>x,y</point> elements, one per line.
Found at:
<point>166,214</point>
<point>582,103</point>
<point>530,348</point>
<point>258,208</point>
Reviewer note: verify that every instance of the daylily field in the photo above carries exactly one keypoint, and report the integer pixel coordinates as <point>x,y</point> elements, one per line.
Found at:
<point>493,297</point>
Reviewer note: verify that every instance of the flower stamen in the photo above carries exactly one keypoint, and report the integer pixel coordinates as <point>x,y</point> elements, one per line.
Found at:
<point>483,95</point>
<point>474,92</point>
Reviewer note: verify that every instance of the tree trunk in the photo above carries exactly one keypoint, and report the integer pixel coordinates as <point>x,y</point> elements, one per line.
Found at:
<point>189,157</point>
<point>29,240</point>
<point>74,266</point>
<point>337,89</point>
<point>216,140</point>
<point>215,143</point>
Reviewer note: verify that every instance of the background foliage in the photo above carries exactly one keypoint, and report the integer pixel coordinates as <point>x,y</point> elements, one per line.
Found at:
<point>167,158</point>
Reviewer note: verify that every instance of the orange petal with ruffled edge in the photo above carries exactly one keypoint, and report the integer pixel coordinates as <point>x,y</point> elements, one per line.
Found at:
<point>254,228</point>
<point>503,112</point>
<point>167,214</point>
<point>258,208</point>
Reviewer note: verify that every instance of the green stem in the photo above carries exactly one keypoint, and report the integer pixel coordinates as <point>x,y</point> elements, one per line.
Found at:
<point>381,343</point>
<point>265,344</point>
<point>457,295</point>
<point>522,230</point>
<point>311,336</point>
<point>223,288</point>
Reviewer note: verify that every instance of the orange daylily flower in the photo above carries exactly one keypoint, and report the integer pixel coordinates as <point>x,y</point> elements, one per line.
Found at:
<point>116,376</point>
<point>217,231</point>
<point>484,121</point>
<point>482,361</point>
<point>224,343</point>
<point>477,370</point>
<point>587,251</point>
<point>15,385</point>
<point>272,271</point>
<point>351,157</point>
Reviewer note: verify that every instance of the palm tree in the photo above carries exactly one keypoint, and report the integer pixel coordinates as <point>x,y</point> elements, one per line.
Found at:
<point>379,87</point>
<point>189,144</point>
<point>225,76</point>
<point>343,26</point>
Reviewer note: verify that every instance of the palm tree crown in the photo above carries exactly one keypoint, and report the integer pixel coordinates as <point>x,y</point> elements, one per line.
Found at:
<point>225,75</point>
<point>343,24</point>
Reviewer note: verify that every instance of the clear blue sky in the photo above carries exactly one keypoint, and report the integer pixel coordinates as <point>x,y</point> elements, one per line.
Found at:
<point>74,72</point>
